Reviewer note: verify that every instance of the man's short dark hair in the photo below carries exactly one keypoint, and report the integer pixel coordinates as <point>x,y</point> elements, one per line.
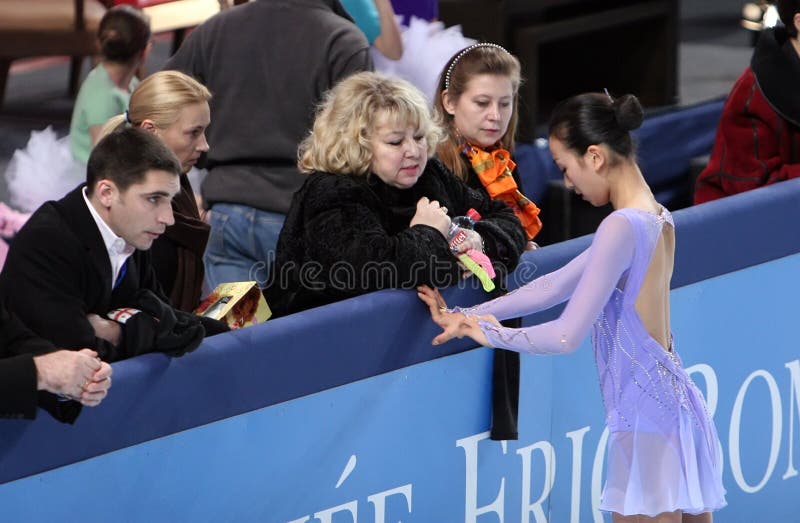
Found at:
<point>125,156</point>
<point>786,10</point>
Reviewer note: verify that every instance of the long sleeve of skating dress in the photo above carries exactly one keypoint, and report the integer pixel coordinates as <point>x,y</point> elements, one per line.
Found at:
<point>587,281</point>
<point>662,446</point>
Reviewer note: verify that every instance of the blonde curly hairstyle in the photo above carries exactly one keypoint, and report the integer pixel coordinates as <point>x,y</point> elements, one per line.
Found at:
<point>339,141</point>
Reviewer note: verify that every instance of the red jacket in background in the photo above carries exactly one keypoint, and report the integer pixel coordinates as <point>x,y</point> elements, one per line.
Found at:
<point>758,138</point>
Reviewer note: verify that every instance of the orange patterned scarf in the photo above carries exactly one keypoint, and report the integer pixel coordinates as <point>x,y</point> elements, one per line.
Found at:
<point>494,171</point>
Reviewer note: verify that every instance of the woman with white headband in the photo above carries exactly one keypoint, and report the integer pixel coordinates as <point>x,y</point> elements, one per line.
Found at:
<point>477,106</point>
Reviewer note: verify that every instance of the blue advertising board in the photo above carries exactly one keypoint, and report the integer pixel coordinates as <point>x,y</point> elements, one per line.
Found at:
<point>411,445</point>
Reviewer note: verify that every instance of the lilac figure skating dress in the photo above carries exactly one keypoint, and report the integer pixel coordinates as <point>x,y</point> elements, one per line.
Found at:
<point>662,447</point>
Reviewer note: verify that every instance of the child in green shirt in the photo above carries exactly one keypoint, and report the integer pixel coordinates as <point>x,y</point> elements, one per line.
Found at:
<point>50,167</point>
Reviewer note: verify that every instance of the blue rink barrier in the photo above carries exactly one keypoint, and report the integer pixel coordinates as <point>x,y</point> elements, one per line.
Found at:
<point>347,414</point>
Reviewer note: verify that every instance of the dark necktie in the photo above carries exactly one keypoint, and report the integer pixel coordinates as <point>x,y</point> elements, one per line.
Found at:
<point>122,273</point>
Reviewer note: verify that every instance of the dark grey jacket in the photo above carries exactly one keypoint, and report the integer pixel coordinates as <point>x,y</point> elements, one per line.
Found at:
<point>267,64</point>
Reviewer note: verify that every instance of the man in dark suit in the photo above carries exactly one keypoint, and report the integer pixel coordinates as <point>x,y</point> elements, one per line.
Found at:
<point>29,364</point>
<point>78,273</point>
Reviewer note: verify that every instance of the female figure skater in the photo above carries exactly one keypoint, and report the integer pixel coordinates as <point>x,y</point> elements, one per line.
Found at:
<point>663,460</point>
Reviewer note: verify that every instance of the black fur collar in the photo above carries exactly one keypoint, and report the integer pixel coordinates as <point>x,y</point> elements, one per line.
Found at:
<point>776,66</point>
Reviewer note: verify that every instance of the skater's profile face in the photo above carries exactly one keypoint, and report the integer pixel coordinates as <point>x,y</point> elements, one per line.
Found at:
<point>580,172</point>
<point>483,111</point>
<point>399,152</point>
<point>186,137</point>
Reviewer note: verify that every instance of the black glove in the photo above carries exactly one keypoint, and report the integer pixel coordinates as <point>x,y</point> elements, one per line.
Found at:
<point>174,332</point>
<point>213,327</point>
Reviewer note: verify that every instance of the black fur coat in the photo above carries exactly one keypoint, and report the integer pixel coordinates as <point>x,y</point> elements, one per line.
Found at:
<point>348,235</point>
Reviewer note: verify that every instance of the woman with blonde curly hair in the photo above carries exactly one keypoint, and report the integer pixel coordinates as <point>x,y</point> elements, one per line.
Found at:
<point>375,210</point>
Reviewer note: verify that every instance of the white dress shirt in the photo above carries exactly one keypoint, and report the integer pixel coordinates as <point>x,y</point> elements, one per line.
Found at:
<point>118,250</point>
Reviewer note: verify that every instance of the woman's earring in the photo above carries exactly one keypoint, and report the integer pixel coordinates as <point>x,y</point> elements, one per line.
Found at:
<point>459,139</point>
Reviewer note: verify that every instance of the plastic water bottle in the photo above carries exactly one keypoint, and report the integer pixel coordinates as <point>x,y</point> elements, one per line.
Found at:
<point>459,227</point>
